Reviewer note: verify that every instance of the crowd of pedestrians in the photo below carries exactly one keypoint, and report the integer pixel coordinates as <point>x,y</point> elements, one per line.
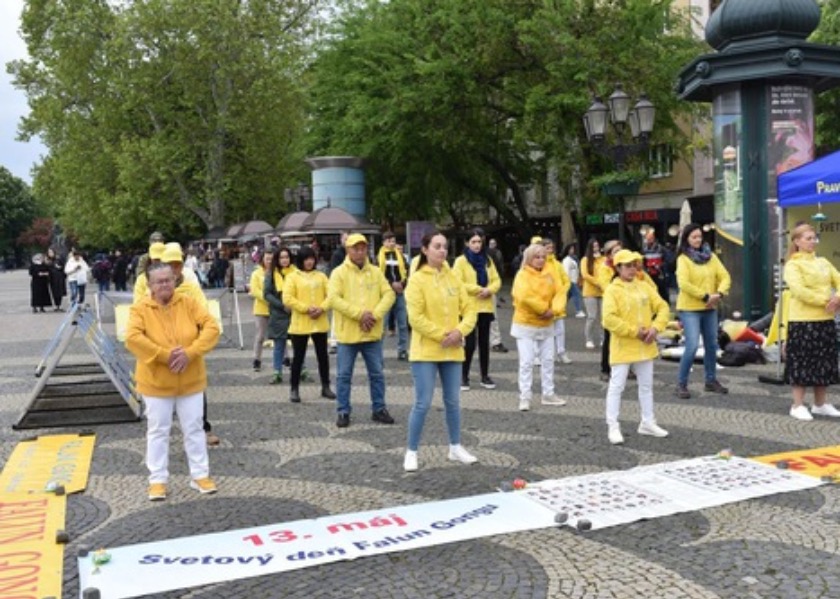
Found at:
<point>441,313</point>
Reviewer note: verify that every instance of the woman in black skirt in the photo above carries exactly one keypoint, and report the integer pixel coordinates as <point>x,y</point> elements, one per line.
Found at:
<point>811,349</point>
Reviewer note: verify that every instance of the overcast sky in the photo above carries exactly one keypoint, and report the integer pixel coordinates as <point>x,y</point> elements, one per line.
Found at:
<point>16,156</point>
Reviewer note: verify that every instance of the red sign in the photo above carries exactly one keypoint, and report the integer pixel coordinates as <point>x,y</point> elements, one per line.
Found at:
<point>640,216</point>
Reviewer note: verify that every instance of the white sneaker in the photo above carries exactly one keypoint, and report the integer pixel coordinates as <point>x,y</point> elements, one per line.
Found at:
<point>564,357</point>
<point>457,453</point>
<point>580,314</point>
<point>590,345</point>
<point>553,400</point>
<point>410,461</point>
<point>614,434</point>
<point>825,410</point>
<point>524,405</point>
<point>652,429</point>
<point>801,413</point>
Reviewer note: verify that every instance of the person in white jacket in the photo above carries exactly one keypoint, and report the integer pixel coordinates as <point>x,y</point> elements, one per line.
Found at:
<point>77,270</point>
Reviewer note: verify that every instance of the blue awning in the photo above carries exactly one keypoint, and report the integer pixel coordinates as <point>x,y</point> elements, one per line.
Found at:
<point>810,184</point>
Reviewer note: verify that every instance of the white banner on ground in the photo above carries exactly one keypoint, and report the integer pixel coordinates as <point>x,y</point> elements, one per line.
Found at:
<point>612,498</point>
<point>157,567</point>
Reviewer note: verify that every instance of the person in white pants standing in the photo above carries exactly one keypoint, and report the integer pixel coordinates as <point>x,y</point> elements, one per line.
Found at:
<point>634,314</point>
<point>536,300</point>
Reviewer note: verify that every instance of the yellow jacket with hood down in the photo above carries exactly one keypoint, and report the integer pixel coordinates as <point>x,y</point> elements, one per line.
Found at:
<point>698,280</point>
<point>152,333</point>
<point>534,292</point>
<point>354,291</point>
<point>629,307</point>
<point>591,282</point>
<point>301,291</point>
<point>561,278</point>
<point>467,275</point>
<point>810,280</point>
<point>437,303</point>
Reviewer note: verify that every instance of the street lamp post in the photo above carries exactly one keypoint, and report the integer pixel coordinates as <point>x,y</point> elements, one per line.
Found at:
<point>637,121</point>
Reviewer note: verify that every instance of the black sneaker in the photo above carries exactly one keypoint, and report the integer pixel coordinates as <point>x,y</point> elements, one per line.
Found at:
<point>327,393</point>
<point>716,387</point>
<point>343,420</point>
<point>500,348</point>
<point>287,362</point>
<point>683,392</point>
<point>257,365</point>
<point>333,349</point>
<point>294,396</point>
<point>382,416</point>
<point>465,384</point>
<point>402,356</point>
<point>488,383</point>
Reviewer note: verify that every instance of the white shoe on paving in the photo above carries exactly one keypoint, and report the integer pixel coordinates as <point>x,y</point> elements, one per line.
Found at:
<point>801,413</point>
<point>580,314</point>
<point>614,434</point>
<point>410,462</point>
<point>524,405</point>
<point>553,400</point>
<point>590,345</point>
<point>457,453</point>
<point>825,410</point>
<point>564,357</point>
<point>652,429</point>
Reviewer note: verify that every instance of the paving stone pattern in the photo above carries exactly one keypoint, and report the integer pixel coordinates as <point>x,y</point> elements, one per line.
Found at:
<point>280,462</point>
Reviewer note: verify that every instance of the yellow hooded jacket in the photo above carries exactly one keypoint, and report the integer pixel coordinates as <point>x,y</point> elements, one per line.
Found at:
<point>810,280</point>
<point>591,282</point>
<point>534,292</point>
<point>152,333</point>
<point>698,280</point>
<point>437,303</point>
<point>301,291</point>
<point>629,307</point>
<point>256,289</point>
<point>354,291</point>
<point>466,273</point>
<point>561,278</point>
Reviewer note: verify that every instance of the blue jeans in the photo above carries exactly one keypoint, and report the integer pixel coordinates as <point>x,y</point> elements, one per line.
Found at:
<point>696,323</point>
<point>401,318</point>
<point>74,292</point>
<point>576,297</point>
<point>424,388</point>
<point>279,352</point>
<point>346,359</point>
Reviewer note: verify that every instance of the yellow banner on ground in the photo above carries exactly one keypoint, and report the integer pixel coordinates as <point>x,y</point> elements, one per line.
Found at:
<point>31,556</point>
<point>823,461</point>
<point>49,461</point>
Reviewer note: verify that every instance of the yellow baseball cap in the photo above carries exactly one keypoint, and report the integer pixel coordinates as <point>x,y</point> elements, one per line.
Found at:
<point>172,253</point>
<point>156,250</point>
<point>354,239</point>
<point>626,257</point>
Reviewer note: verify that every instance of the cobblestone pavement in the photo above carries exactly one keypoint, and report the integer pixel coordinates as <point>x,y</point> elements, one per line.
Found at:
<point>280,462</point>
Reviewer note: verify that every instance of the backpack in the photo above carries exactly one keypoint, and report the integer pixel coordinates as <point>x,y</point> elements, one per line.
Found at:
<point>740,353</point>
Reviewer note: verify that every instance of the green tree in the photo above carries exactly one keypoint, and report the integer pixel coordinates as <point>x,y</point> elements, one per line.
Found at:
<point>17,211</point>
<point>176,115</point>
<point>456,102</point>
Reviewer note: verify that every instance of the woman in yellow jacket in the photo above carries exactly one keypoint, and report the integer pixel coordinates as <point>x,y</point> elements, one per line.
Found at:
<point>256,289</point>
<point>476,271</point>
<point>634,313</point>
<point>305,294</point>
<point>590,265</point>
<point>703,283</point>
<point>561,278</point>
<point>811,349</point>
<point>169,334</point>
<point>536,300</point>
<point>441,314</point>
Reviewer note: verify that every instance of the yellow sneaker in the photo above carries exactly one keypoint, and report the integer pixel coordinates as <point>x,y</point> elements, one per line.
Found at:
<point>205,486</point>
<point>157,492</point>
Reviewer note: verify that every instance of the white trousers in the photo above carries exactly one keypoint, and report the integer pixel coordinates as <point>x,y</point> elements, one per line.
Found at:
<point>618,378</point>
<point>190,410</point>
<point>593,319</point>
<point>528,350</point>
<point>560,336</point>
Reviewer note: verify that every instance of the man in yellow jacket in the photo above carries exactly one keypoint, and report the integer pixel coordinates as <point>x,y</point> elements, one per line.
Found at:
<point>392,264</point>
<point>360,297</point>
<point>634,314</point>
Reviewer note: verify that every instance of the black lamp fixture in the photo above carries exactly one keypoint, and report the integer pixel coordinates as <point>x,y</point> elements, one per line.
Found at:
<point>638,119</point>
